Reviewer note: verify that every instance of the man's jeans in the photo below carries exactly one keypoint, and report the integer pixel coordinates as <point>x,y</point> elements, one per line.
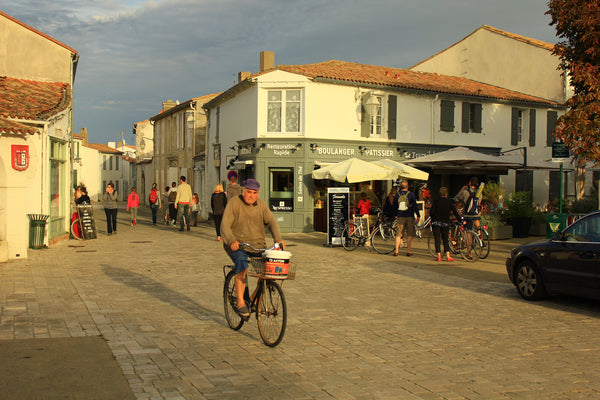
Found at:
<point>182,214</point>
<point>154,208</point>
<point>240,259</point>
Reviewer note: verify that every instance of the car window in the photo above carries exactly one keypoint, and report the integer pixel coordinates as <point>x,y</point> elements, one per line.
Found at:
<point>584,230</point>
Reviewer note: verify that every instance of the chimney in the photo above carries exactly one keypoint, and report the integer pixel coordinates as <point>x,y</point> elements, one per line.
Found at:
<point>242,76</point>
<point>84,133</point>
<point>167,105</point>
<point>267,60</point>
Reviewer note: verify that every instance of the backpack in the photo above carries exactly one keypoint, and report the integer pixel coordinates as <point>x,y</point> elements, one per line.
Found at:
<point>173,196</point>
<point>153,197</point>
<point>471,204</point>
<point>403,201</point>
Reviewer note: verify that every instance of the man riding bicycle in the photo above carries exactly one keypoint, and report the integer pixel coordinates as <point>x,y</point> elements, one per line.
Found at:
<point>244,221</point>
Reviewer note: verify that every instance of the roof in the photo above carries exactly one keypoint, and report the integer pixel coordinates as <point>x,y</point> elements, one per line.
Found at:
<point>520,38</point>
<point>199,100</point>
<point>38,32</point>
<point>102,148</point>
<point>128,159</point>
<point>347,72</point>
<point>22,99</point>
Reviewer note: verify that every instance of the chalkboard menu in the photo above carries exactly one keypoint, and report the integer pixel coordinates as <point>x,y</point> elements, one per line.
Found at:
<point>86,216</point>
<point>338,200</point>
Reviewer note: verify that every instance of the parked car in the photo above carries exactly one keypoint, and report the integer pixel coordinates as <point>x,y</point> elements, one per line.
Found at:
<point>569,263</point>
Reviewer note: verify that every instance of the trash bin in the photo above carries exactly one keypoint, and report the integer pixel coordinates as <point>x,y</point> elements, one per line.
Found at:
<point>37,229</point>
<point>555,222</point>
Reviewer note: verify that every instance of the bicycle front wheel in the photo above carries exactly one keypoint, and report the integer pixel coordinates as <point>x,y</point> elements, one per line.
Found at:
<point>271,314</point>
<point>383,239</point>
<point>234,319</point>
<point>485,244</point>
<point>76,230</point>
<point>431,245</point>
<point>350,237</point>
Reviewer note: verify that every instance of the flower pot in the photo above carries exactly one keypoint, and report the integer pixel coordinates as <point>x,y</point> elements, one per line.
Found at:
<point>500,232</point>
<point>521,226</point>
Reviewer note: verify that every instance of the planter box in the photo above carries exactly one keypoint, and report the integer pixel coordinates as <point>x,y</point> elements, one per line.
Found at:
<point>537,230</point>
<point>500,232</point>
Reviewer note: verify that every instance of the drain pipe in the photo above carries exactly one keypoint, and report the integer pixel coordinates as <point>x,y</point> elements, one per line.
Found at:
<point>431,122</point>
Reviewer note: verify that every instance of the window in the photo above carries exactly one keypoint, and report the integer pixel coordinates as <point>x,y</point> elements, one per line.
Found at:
<point>283,111</point>
<point>471,117</point>
<point>281,189</point>
<point>117,162</point>
<point>524,181</point>
<point>447,116</point>
<point>104,162</point>
<point>377,118</point>
<point>110,162</point>
<point>516,127</point>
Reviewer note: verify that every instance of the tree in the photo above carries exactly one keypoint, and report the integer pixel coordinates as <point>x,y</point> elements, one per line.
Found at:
<point>578,26</point>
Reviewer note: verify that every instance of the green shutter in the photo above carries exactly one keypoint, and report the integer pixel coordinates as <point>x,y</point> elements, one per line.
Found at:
<point>550,123</point>
<point>392,113</point>
<point>514,138</point>
<point>532,128</point>
<point>465,117</point>
<point>365,123</point>
<point>477,118</point>
<point>447,116</point>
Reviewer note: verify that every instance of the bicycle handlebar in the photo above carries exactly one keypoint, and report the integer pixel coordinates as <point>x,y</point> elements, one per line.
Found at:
<point>276,245</point>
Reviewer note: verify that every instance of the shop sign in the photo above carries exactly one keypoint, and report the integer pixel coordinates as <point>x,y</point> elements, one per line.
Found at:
<point>335,151</point>
<point>20,157</point>
<point>281,149</point>
<point>280,205</point>
<point>300,180</point>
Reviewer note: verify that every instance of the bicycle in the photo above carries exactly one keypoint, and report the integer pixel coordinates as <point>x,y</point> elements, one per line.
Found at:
<point>77,228</point>
<point>268,301</point>
<point>84,212</point>
<point>420,227</point>
<point>465,242</point>
<point>382,238</point>
<point>486,242</point>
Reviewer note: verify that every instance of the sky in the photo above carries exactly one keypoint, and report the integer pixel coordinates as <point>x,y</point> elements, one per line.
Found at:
<point>135,54</point>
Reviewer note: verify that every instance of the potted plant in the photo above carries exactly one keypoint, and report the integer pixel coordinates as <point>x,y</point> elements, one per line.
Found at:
<point>496,227</point>
<point>518,212</point>
<point>493,197</point>
<point>538,224</point>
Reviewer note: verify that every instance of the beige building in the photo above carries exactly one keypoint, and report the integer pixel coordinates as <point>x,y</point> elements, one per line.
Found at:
<point>144,143</point>
<point>36,100</point>
<point>180,146</point>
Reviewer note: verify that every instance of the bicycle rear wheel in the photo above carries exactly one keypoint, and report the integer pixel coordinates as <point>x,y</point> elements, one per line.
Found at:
<point>271,314</point>
<point>431,245</point>
<point>485,243</point>
<point>234,319</point>
<point>76,229</point>
<point>383,240</point>
<point>350,237</point>
<point>471,249</point>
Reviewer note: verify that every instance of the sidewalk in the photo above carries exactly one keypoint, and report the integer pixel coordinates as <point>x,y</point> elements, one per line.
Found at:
<point>360,325</point>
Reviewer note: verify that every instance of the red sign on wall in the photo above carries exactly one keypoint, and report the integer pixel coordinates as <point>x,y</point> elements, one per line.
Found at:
<point>20,157</point>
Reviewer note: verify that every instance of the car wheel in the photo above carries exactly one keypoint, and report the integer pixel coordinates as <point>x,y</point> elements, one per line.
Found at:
<point>529,281</point>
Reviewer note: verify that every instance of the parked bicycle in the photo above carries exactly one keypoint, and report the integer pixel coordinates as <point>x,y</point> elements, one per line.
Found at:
<point>268,300</point>
<point>463,242</point>
<point>77,226</point>
<point>382,237</point>
<point>425,224</point>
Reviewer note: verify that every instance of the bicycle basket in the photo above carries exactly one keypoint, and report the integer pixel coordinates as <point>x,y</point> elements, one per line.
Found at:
<point>271,268</point>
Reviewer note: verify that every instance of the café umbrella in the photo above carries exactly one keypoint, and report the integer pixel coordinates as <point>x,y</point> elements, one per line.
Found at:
<point>403,171</point>
<point>354,170</point>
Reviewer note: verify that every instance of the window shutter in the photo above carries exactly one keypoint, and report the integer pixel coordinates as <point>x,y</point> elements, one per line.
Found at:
<point>477,118</point>
<point>392,112</point>
<point>532,128</point>
<point>550,123</point>
<point>514,139</point>
<point>447,116</point>
<point>465,117</point>
<point>365,123</point>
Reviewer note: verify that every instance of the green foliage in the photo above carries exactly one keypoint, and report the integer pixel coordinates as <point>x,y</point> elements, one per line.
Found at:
<point>492,220</point>
<point>492,193</point>
<point>519,205</point>
<point>539,217</point>
<point>577,23</point>
<point>587,204</point>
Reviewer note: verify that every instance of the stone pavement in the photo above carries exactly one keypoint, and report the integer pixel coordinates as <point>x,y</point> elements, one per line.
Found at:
<point>361,325</point>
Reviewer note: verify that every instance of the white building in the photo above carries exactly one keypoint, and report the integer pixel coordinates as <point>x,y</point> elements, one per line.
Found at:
<point>36,99</point>
<point>280,123</point>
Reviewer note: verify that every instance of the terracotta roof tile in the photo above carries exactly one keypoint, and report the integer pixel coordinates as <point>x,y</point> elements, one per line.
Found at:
<point>16,128</point>
<point>102,148</point>
<point>33,100</point>
<point>200,100</point>
<point>343,71</point>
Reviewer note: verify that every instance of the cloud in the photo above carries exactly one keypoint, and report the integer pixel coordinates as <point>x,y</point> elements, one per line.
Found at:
<point>135,54</point>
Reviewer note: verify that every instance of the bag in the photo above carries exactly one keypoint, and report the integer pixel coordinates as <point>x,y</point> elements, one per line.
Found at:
<point>471,204</point>
<point>153,197</point>
<point>172,196</point>
<point>403,201</point>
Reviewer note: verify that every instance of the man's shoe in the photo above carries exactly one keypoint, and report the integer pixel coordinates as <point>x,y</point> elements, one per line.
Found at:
<point>244,311</point>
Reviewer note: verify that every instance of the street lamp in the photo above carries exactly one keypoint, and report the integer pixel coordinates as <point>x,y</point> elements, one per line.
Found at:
<point>372,105</point>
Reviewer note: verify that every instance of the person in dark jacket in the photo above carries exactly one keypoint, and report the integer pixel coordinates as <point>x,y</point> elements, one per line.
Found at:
<point>218,202</point>
<point>440,222</point>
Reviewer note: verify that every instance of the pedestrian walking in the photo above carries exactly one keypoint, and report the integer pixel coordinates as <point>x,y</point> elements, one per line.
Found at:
<point>133,202</point>
<point>218,202</point>
<point>172,199</point>
<point>109,200</point>
<point>182,203</point>
<point>440,222</point>
<point>164,200</point>
<point>405,203</point>
<point>154,199</point>
<point>195,208</point>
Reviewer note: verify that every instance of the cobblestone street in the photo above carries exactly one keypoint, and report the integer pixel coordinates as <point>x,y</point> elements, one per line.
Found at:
<point>360,325</point>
